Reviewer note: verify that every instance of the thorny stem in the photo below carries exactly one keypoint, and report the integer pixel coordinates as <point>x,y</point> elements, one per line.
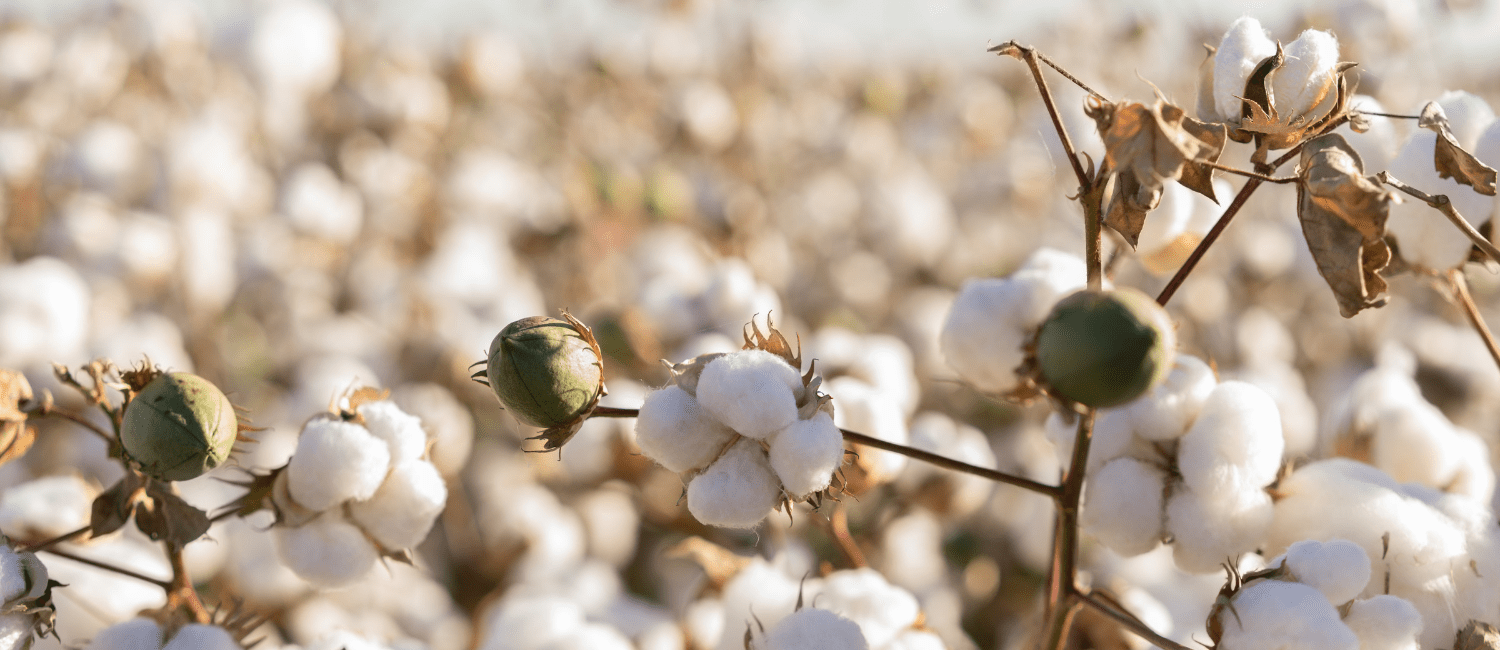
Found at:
<point>1229,212</point>
<point>1461,291</point>
<point>944,462</point>
<point>109,567</point>
<point>1441,203</point>
<point>47,544</point>
<point>1129,622</point>
<point>1062,574</point>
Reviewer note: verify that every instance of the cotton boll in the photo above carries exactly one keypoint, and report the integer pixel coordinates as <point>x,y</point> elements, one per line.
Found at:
<point>703,623</point>
<point>880,609</point>
<point>1111,437</point>
<point>134,634</point>
<point>912,551</point>
<point>202,637</point>
<point>295,47</point>
<point>15,630</point>
<point>611,520</point>
<point>1384,622</point>
<point>403,432</point>
<point>812,628</point>
<point>1276,615</point>
<point>1235,444</point>
<point>859,407</point>
<point>403,509</point>
<point>1415,443</point>
<point>44,312</point>
<point>1208,528</point>
<point>520,622</point>
<point>757,593</point>
<point>737,490</point>
<point>1122,506</point>
<point>46,507</point>
<point>1474,477</point>
<point>1243,47</point>
<point>1308,70</point>
<point>805,454</point>
<point>1487,150</point>
<point>1426,237</point>
<point>327,551</point>
<point>336,461</point>
<point>1338,567</point>
<point>751,391</point>
<point>674,430</point>
<point>1170,408</point>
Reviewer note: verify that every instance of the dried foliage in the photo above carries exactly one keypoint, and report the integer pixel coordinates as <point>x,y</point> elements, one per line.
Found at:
<point>1147,146</point>
<point>1343,215</point>
<point>1450,159</point>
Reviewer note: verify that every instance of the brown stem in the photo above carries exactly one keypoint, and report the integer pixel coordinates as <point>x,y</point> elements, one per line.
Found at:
<point>1441,203</point>
<point>180,592</point>
<point>108,567</point>
<point>79,420</point>
<point>950,464</point>
<point>44,545</point>
<point>1130,622</point>
<point>1247,174</point>
<point>838,524</point>
<point>944,462</point>
<point>1460,286</point>
<point>1062,573</point>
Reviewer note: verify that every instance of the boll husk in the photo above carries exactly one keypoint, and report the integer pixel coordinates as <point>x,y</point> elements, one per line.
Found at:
<point>548,373</point>
<point>1105,348</point>
<point>179,426</point>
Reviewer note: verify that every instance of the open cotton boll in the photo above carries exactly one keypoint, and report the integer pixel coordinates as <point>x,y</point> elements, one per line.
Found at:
<point>202,637</point>
<point>751,391</point>
<point>1310,65</point>
<point>1474,477</point>
<point>134,634</point>
<point>1206,528</point>
<point>327,551</point>
<point>403,509</point>
<point>1122,505</point>
<point>1384,622</point>
<point>759,592</point>
<point>15,630</point>
<point>737,490</point>
<point>805,454</point>
<point>674,430</point>
<point>812,628</point>
<point>1235,444</point>
<point>518,622</point>
<point>1243,47</point>
<point>1170,408</point>
<point>1339,568</point>
<point>1061,271</point>
<point>1415,443</point>
<point>1427,237</point>
<point>858,406</point>
<point>1276,615</point>
<point>402,431</point>
<point>880,609</point>
<point>1110,439</point>
<point>336,461</point>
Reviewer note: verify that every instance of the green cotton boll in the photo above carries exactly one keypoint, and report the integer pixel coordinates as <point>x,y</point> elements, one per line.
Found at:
<point>545,371</point>
<point>1105,348</point>
<point>178,427</point>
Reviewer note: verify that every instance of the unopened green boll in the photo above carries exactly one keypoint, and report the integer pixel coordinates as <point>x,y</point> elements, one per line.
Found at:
<point>1105,348</point>
<point>546,371</point>
<point>178,427</point>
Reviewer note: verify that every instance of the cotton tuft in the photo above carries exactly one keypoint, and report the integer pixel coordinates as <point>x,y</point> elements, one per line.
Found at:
<point>813,628</point>
<point>1235,443</point>
<point>403,509</point>
<point>401,431</point>
<point>1338,568</point>
<point>737,491</point>
<point>134,634</point>
<point>751,391</point>
<point>805,454</point>
<point>336,461</point>
<point>1123,504</point>
<point>1276,615</point>
<point>1170,408</point>
<point>327,551</point>
<point>1243,47</point>
<point>202,637</point>
<point>1310,65</point>
<point>674,430</point>
<point>1384,622</point>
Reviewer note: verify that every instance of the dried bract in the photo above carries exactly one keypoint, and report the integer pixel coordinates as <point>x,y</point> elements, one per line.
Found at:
<point>1343,215</point>
<point>1477,635</point>
<point>1450,159</point>
<point>1147,146</point>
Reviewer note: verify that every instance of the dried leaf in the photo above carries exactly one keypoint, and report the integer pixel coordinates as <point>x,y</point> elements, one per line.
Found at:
<point>164,516</point>
<point>1128,207</point>
<point>1197,176</point>
<point>14,391</point>
<point>718,562</point>
<point>15,439</point>
<point>1477,635</point>
<point>1145,146</point>
<point>1450,159</point>
<point>1343,215</point>
<point>112,508</point>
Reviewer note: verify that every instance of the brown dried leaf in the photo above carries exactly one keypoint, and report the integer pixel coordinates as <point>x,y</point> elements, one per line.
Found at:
<point>1450,159</point>
<point>1477,635</point>
<point>721,564</point>
<point>14,391</point>
<point>164,516</point>
<point>1145,146</point>
<point>1128,207</point>
<point>15,439</point>
<point>1197,176</point>
<point>1343,215</point>
<point>112,508</point>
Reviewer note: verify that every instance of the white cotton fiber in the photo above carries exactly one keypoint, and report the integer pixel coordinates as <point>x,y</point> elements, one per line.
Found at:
<point>202,637</point>
<point>1122,506</point>
<point>805,454</point>
<point>672,429</point>
<point>1276,615</point>
<point>13,579</point>
<point>916,640</point>
<point>1468,116</point>
<point>336,461</point>
<point>518,622</point>
<point>403,509</point>
<point>860,407</point>
<point>1475,477</point>
<point>1339,568</point>
<point>991,318</point>
<point>813,628</point>
<point>1427,237</point>
<point>1415,443</point>
<point>751,391</point>
<point>759,592</point>
<point>1170,408</point>
<point>864,596</point>
<point>327,551</point>
<point>737,491</point>
<point>1384,622</point>
<point>1243,47</point>
<point>1207,529</point>
<point>1308,70</point>
<point>1235,444</point>
<point>134,634</point>
<point>1110,439</point>
<point>401,431</point>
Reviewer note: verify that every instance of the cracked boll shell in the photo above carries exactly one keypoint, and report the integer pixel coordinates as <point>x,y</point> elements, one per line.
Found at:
<point>1105,348</point>
<point>179,427</point>
<point>544,371</point>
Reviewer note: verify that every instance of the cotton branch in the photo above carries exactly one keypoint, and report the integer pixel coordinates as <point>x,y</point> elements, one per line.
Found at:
<point>1441,203</point>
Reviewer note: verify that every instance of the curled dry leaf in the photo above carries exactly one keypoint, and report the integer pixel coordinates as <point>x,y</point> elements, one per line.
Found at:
<point>1146,146</point>
<point>1477,635</point>
<point>15,436</point>
<point>1450,159</point>
<point>1343,215</point>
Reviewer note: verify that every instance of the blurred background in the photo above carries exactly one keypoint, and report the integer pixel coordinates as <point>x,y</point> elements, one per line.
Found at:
<point>295,197</point>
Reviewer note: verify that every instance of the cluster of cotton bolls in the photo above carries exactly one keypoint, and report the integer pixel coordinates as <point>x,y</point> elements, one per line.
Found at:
<point>355,489</point>
<point>1189,462</point>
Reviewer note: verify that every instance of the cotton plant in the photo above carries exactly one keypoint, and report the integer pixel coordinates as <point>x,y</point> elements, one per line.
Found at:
<point>1424,237</point>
